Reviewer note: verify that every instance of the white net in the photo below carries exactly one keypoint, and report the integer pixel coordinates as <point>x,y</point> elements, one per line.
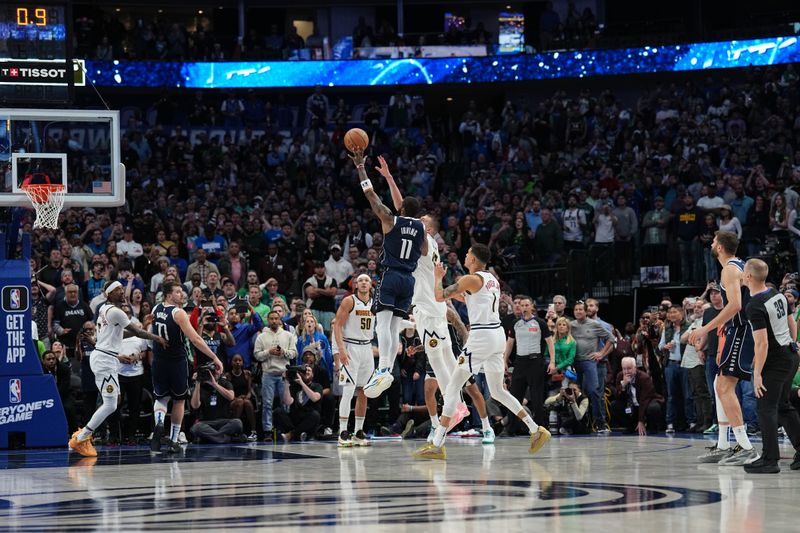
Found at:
<point>47,200</point>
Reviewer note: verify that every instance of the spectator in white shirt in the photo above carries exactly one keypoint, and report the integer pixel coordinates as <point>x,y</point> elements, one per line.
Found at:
<point>127,247</point>
<point>710,202</point>
<point>337,267</point>
<point>728,222</point>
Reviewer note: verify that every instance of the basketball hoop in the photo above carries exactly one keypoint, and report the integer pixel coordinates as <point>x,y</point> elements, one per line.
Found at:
<point>47,200</point>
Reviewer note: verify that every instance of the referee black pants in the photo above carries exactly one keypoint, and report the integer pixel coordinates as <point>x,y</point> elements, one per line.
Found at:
<point>529,372</point>
<point>774,408</point>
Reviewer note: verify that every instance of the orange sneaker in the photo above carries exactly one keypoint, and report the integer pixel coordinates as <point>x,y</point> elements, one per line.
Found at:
<point>83,447</point>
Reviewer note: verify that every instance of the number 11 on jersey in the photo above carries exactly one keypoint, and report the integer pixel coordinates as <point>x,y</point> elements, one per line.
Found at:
<point>405,248</point>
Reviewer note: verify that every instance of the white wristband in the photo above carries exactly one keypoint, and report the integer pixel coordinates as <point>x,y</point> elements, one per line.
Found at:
<point>366,185</point>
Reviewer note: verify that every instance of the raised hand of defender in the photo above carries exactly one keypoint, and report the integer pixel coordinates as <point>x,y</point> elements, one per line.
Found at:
<point>439,271</point>
<point>383,168</point>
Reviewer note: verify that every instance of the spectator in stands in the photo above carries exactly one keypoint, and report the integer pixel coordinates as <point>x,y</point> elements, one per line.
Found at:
<point>636,405</point>
<point>275,265</point>
<point>62,374</point>
<point>211,397</point>
<point>310,336</point>
<point>66,318</point>
<point>243,333</point>
<point>560,306</point>
<point>337,267</point>
<point>242,404</point>
<point>571,407</point>
<point>688,226</point>
<point>254,301</point>
<point>728,222</point>
<point>696,370</point>
<point>201,266</point>
<point>677,378</point>
<point>234,264</point>
<point>299,416</point>
<point>128,247</point>
<point>213,244</point>
<point>547,243</point>
<point>587,334</point>
<point>320,291</point>
<point>274,349</point>
<point>626,231</point>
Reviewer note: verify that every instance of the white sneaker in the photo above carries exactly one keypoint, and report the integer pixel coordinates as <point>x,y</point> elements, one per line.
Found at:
<point>670,428</point>
<point>379,382</point>
<point>182,438</point>
<point>488,437</point>
<point>327,432</point>
<point>431,433</point>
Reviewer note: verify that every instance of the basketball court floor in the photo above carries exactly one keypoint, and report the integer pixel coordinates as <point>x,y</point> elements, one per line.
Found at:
<point>584,484</point>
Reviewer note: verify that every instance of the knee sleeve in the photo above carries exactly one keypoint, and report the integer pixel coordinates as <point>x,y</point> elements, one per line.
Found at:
<point>452,395</point>
<point>347,397</point>
<point>383,330</point>
<point>106,409</point>
<point>722,418</point>
<point>437,359</point>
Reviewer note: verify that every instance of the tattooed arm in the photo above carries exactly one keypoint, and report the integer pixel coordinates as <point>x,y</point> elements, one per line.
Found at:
<point>455,320</point>
<point>468,283</point>
<point>383,213</point>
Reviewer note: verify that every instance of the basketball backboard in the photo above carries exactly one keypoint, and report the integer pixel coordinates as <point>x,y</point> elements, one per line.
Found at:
<point>77,148</point>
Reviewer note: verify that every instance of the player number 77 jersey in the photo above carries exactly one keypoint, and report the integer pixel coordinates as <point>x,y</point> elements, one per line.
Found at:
<point>360,324</point>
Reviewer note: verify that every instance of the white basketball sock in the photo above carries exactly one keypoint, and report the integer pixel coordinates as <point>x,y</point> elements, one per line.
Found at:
<point>740,432</point>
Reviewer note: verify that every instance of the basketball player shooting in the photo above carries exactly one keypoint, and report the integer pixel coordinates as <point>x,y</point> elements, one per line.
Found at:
<point>404,240</point>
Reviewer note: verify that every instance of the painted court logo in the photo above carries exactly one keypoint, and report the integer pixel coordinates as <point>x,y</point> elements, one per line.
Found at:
<point>15,299</point>
<point>14,390</point>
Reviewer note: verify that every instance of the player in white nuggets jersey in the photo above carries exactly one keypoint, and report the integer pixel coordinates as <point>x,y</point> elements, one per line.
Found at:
<point>354,329</point>
<point>112,323</point>
<point>484,349</point>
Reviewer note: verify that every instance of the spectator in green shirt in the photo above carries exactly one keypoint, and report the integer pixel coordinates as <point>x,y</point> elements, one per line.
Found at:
<point>254,299</point>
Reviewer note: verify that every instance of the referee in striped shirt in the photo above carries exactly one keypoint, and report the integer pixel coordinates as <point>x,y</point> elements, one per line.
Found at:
<point>774,366</point>
<point>534,344</point>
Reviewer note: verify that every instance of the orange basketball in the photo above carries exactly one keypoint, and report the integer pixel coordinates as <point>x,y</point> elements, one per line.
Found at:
<point>356,138</point>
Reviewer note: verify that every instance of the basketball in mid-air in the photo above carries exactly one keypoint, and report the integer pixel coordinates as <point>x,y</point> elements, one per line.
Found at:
<point>356,138</point>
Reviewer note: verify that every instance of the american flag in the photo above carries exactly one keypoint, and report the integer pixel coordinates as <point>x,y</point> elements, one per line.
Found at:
<point>101,187</point>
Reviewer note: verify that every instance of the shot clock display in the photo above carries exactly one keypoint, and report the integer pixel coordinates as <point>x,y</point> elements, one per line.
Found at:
<point>35,62</point>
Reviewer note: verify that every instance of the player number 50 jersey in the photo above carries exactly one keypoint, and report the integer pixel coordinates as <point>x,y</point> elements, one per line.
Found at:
<point>360,324</point>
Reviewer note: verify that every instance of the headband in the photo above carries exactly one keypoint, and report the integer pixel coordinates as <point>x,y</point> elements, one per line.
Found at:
<point>112,287</point>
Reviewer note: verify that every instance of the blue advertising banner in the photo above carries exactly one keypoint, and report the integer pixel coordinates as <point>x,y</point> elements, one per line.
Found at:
<point>428,71</point>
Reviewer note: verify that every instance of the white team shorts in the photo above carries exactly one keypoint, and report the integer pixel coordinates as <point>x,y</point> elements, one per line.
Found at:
<point>360,367</point>
<point>432,331</point>
<point>106,371</point>
<point>483,351</point>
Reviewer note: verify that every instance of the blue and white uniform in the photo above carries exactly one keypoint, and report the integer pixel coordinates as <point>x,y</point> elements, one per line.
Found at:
<point>739,350</point>
<point>170,365</point>
<point>402,247</point>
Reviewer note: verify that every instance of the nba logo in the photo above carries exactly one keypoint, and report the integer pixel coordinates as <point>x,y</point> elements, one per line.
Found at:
<point>14,390</point>
<point>14,299</point>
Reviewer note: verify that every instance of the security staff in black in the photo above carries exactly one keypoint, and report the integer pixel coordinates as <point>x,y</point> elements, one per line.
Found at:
<point>774,366</point>
<point>534,345</point>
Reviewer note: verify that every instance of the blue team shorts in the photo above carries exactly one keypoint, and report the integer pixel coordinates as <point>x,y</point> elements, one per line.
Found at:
<point>394,292</point>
